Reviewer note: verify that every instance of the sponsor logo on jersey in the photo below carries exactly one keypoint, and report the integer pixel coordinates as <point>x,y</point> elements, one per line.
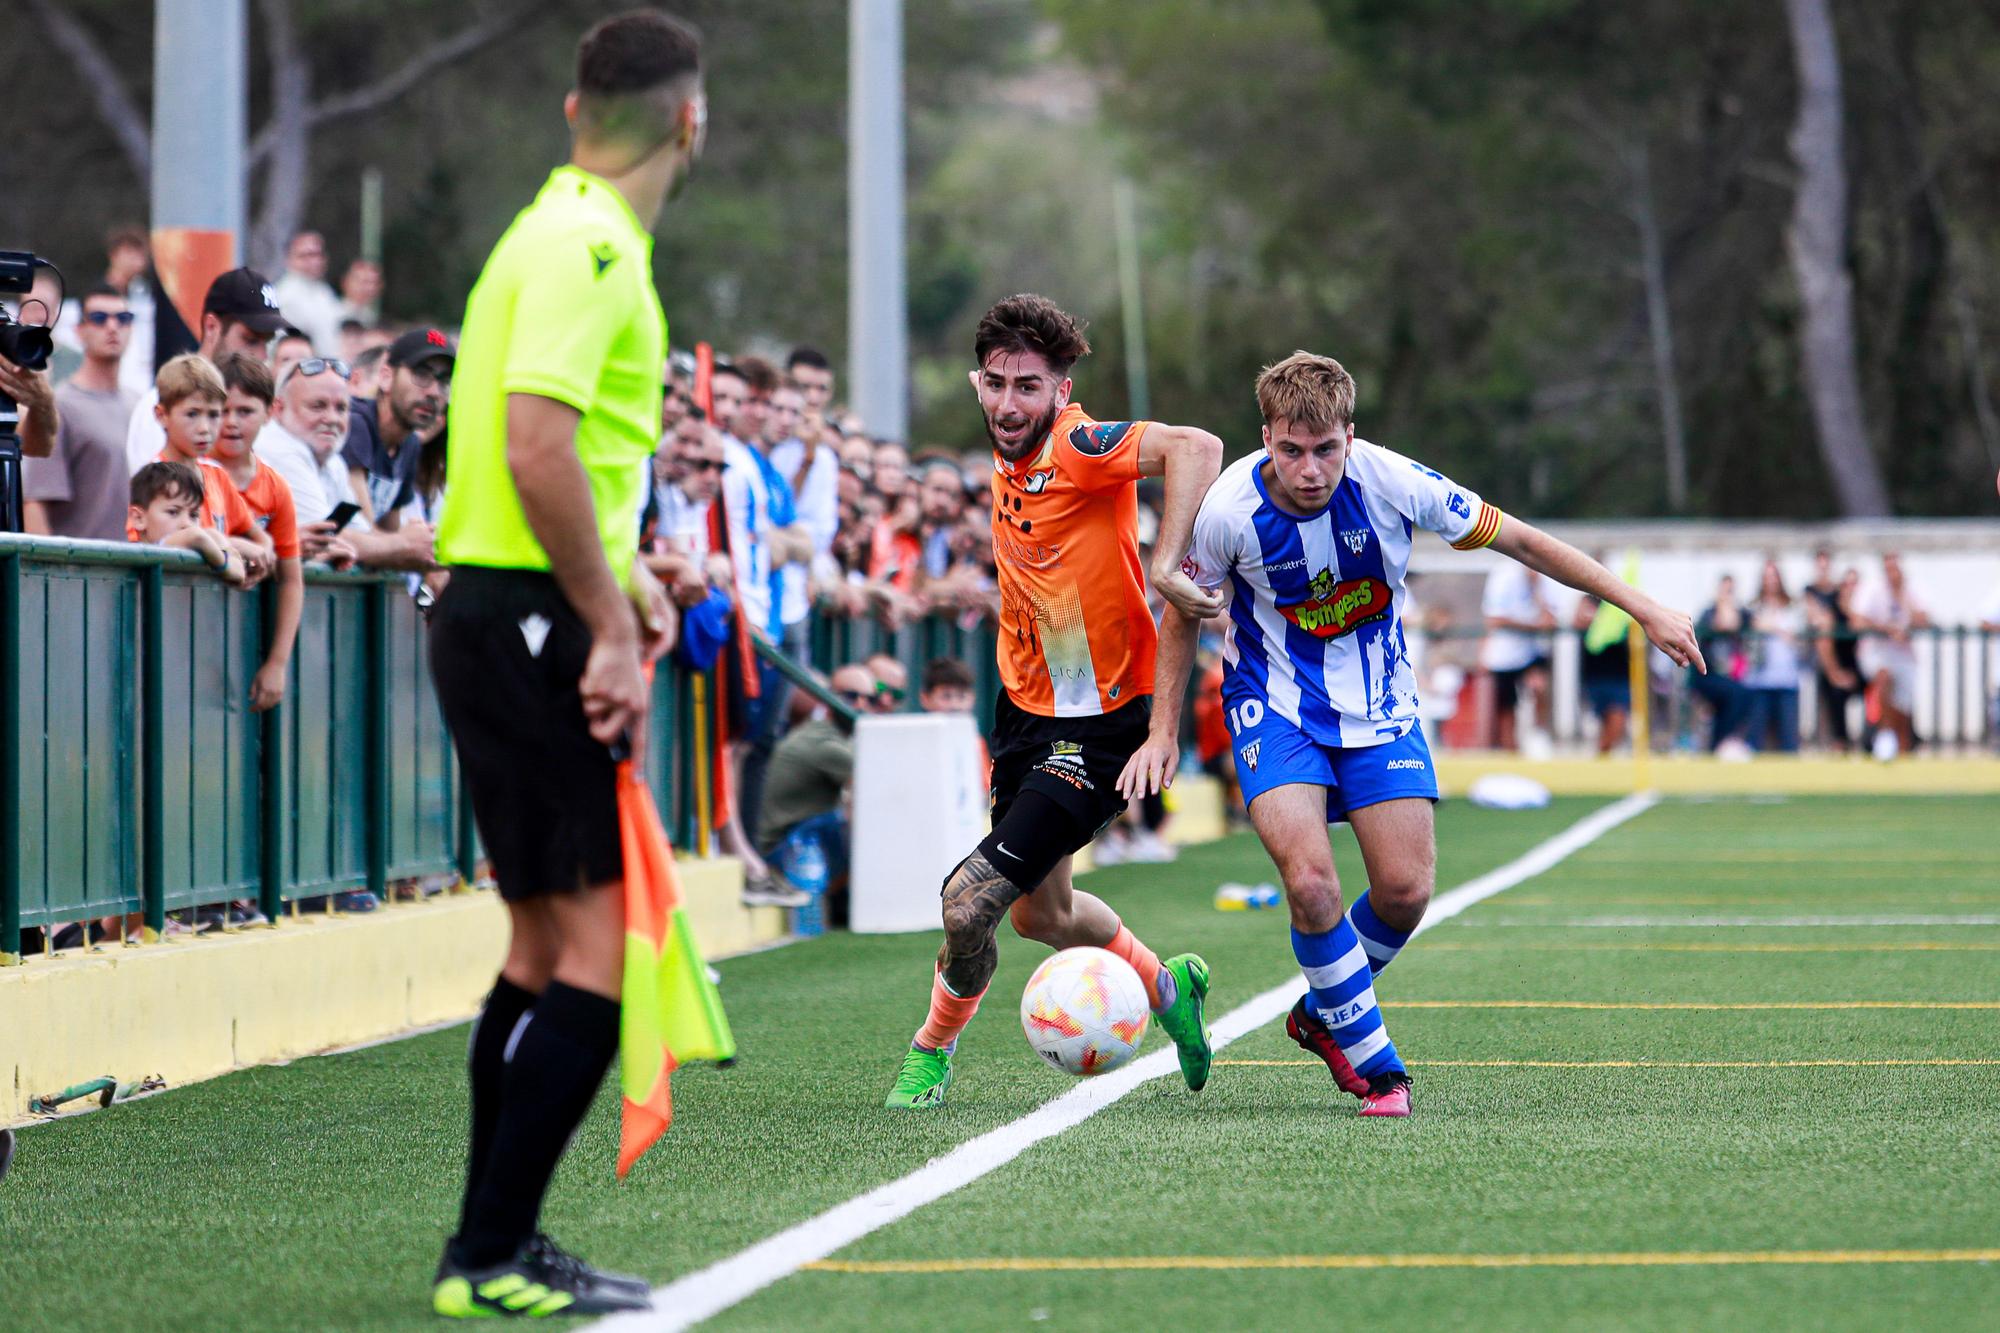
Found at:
<point>1249,753</point>
<point>1035,555</point>
<point>1338,608</point>
<point>1065,747</point>
<point>1035,482</point>
<point>1283,565</point>
<point>1417,764</point>
<point>1355,539</point>
<point>1098,439</point>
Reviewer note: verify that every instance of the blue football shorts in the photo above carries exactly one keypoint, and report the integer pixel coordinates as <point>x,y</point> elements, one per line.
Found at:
<point>1272,752</point>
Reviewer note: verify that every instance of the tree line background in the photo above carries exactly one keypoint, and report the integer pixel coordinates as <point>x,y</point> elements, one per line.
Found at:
<point>1593,257</point>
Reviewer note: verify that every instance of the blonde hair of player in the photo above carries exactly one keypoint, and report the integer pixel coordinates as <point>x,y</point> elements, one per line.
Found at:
<point>1309,391</point>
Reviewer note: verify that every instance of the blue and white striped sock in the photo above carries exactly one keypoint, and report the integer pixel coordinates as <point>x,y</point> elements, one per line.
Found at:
<point>1343,995</point>
<point>1381,942</point>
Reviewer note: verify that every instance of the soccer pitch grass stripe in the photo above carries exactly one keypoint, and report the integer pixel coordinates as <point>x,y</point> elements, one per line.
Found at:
<point>1716,946</point>
<point>1695,1005</point>
<point>709,1291</point>
<point>1815,856</point>
<point>1233,1263</point>
<point>1648,1064</point>
<point>1737,922</point>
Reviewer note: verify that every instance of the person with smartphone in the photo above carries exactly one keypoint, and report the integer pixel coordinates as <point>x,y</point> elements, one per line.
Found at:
<point>302,442</point>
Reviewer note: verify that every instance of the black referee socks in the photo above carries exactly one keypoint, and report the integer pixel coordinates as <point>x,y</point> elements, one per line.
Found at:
<point>557,1063</point>
<point>488,1063</point>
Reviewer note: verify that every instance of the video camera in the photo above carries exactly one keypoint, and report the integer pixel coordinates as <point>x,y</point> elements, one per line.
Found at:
<point>26,346</point>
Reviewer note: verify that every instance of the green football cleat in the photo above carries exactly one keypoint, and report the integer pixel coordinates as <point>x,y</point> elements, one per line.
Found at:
<point>924,1080</point>
<point>1184,1020</point>
<point>539,1281</point>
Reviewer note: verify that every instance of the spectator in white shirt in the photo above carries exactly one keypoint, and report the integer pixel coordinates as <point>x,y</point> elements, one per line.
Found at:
<point>1518,616</point>
<point>303,294</point>
<point>302,443</point>
<point>1886,614</point>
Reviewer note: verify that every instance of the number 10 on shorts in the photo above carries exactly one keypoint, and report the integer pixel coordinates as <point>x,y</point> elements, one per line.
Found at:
<point>1245,716</point>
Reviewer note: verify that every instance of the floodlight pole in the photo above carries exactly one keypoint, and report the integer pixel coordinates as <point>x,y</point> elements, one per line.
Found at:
<point>200,94</point>
<point>1125,227</point>
<point>878,330</point>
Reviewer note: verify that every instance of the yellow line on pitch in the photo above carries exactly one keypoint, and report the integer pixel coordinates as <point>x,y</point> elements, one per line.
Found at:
<point>1713,946</point>
<point>1842,856</point>
<point>1599,1004</point>
<point>1666,1259</point>
<point>1650,1064</point>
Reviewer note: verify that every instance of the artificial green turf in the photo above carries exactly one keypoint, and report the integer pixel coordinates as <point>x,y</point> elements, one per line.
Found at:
<point>1534,1160</point>
<point>317,1194</point>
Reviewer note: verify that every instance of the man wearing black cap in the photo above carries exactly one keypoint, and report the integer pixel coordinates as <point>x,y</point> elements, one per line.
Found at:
<point>239,314</point>
<point>385,435</point>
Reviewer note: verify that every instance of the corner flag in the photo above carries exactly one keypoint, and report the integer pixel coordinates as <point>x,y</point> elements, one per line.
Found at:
<point>671,1011</point>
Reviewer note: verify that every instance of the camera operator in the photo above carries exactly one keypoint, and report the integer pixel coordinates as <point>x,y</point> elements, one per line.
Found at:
<point>31,390</point>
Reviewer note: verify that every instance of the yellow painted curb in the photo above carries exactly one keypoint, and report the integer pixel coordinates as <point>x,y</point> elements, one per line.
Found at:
<point>193,1008</point>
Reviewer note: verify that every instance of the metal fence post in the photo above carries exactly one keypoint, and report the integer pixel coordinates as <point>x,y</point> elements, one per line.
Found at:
<point>10,759</point>
<point>273,791</point>
<point>376,753</point>
<point>153,780</point>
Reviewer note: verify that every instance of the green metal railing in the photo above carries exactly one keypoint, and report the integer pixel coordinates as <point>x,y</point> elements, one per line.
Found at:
<point>135,779</point>
<point>837,642</point>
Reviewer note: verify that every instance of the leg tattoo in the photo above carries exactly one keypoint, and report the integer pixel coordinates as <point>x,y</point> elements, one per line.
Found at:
<point>975,898</point>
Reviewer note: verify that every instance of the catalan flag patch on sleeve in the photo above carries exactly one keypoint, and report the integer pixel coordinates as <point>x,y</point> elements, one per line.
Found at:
<point>1485,527</point>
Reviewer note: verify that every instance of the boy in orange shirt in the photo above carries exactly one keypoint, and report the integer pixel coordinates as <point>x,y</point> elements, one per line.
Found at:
<point>166,497</point>
<point>190,412</point>
<point>246,406</point>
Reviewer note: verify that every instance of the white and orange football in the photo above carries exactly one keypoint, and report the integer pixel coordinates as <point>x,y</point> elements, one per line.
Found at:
<point>1085,1011</point>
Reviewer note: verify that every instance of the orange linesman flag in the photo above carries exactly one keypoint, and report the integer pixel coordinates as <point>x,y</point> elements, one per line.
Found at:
<point>671,1011</point>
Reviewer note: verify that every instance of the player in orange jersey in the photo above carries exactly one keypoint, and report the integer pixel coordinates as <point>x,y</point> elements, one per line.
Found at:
<point>1077,648</point>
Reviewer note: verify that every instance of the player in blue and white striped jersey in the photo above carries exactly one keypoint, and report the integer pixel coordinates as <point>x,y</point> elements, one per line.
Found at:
<point>1308,542</point>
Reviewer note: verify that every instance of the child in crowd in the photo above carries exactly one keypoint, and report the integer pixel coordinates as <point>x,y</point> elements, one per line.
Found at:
<point>190,412</point>
<point>166,502</point>
<point>246,407</point>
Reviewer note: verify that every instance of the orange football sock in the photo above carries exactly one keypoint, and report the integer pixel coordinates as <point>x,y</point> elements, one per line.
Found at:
<point>1143,960</point>
<point>948,1017</point>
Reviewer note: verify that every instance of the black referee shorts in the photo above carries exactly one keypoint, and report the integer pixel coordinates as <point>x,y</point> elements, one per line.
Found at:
<point>507,653</point>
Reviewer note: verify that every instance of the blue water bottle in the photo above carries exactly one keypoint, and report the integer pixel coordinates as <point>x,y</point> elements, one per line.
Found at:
<point>802,860</point>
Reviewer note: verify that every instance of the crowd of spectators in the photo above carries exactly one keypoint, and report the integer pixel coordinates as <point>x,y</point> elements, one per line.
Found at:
<point>1844,647</point>
<point>317,432</point>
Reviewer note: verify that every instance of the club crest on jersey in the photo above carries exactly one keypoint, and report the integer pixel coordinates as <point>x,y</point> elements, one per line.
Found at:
<point>1355,539</point>
<point>1458,505</point>
<point>1035,482</point>
<point>1249,753</point>
<point>1339,608</point>
<point>1098,439</point>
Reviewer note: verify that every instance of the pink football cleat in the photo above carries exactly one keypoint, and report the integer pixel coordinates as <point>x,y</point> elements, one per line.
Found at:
<point>1388,1095</point>
<point>1302,1025</point>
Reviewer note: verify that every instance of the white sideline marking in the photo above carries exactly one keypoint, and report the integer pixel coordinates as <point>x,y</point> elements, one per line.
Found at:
<point>709,1291</point>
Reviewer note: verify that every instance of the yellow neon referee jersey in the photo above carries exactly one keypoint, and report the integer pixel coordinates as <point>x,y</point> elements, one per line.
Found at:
<point>565,309</point>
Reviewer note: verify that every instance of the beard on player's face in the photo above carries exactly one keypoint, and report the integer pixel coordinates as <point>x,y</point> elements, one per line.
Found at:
<point>1031,439</point>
